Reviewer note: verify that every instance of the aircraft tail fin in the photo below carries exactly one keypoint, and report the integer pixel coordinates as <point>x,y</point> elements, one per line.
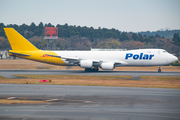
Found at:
<point>17,41</point>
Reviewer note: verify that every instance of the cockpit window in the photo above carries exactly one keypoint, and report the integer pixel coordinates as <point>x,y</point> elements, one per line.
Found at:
<point>164,51</point>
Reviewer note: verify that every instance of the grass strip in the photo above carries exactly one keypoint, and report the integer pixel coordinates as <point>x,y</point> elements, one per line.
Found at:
<point>5,101</point>
<point>117,81</point>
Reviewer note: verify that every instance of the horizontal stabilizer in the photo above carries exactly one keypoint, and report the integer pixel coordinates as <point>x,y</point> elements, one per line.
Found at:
<point>19,54</point>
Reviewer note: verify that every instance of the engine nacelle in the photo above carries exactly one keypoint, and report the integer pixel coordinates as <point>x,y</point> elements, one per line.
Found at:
<point>86,63</point>
<point>107,66</point>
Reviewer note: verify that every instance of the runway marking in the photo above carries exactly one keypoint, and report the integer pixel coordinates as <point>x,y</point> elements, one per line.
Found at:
<point>11,98</point>
<point>87,101</point>
<point>51,100</point>
<point>68,100</point>
<point>76,100</point>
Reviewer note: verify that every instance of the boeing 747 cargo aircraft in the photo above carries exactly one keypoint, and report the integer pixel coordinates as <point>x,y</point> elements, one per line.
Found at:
<point>90,60</point>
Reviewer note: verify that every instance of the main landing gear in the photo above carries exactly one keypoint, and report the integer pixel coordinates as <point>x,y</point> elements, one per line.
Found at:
<point>91,69</point>
<point>159,70</point>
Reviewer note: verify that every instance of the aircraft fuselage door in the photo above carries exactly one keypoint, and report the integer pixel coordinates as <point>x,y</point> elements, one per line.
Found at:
<point>159,52</point>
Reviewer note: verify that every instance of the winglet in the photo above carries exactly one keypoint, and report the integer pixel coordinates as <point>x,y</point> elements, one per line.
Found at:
<point>17,41</point>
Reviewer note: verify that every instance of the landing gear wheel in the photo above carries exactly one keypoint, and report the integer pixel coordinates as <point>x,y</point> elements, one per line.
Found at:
<point>91,69</point>
<point>159,70</point>
<point>95,69</point>
<point>87,69</point>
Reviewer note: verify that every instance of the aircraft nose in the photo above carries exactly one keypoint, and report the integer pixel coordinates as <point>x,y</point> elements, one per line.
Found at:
<point>172,58</point>
<point>176,59</point>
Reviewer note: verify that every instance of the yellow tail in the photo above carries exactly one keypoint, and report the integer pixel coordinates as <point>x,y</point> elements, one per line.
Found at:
<point>17,41</point>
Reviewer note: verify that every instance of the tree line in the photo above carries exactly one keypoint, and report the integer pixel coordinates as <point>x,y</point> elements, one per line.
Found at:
<point>84,38</point>
<point>68,30</point>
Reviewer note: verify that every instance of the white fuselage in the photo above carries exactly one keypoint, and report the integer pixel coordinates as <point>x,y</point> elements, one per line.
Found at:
<point>140,57</point>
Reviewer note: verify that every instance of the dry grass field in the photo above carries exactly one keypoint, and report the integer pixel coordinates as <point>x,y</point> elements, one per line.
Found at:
<point>118,81</point>
<point>32,65</point>
<point>5,101</point>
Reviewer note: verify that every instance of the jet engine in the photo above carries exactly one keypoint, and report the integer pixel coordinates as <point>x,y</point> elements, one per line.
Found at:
<point>86,63</point>
<point>107,66</point>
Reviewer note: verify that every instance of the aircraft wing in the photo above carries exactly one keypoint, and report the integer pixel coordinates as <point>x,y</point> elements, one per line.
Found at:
<point>67,58</point>
<point>70,59</point>
<point>74,60</point>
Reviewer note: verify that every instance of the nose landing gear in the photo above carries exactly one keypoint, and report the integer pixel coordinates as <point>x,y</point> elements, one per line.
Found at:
<point>159,70</point>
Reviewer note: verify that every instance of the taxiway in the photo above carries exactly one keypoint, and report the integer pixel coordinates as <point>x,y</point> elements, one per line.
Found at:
<point>10,73</point>
<point>90,103</point>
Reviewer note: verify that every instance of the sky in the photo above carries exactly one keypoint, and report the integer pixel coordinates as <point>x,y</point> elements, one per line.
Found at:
<point>124,15</point>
